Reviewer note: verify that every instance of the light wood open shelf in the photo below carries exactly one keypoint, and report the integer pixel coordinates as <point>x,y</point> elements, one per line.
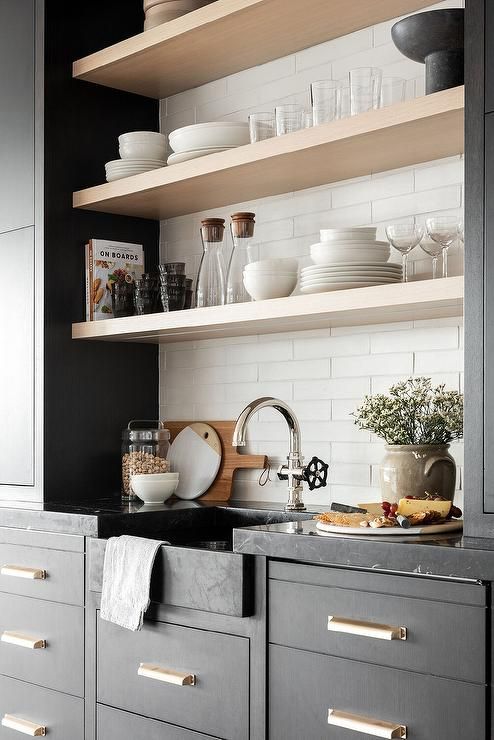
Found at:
<point>381,304</point>
<point>419,130</point>
<point>226,37</point>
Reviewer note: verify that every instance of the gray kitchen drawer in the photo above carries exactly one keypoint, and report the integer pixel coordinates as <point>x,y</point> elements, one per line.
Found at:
<point>217,705</point>
<point>218,582</point>
<point>60,665</point>
<point>303,686</point>
<point>64,581</point>
<point>113,724</point>
<point>62,715</point>
<point>437,640</point>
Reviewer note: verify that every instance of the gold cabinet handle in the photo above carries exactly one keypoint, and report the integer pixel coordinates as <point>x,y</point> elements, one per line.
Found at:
<point>148,670</point>
<point>374,727</point>
<point>366,629</point>
<point>23,726</point>
<point>21,571</point>
<point>21,640</point>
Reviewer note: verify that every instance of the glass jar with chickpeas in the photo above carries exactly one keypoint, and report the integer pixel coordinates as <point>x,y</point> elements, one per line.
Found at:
<point>145,446</point>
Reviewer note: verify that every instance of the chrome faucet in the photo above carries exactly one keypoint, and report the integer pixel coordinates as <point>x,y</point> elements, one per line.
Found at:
<point>295,472</point>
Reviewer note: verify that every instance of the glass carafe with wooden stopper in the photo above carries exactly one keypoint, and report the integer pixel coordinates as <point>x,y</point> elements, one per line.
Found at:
<point>242,228</point>
<point>211,283</point>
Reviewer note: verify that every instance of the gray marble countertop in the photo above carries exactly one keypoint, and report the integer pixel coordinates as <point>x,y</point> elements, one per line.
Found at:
<point>452,556</point>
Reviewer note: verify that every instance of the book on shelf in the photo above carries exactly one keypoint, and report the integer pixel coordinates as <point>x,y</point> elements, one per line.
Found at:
<point>108,262</point>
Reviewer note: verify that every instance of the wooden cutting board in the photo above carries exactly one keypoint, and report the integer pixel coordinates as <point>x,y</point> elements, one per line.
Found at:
<point>232,460</point>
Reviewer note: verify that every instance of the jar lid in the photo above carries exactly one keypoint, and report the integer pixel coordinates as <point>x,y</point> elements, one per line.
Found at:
<point>243,225</point>
<point>146,434</point>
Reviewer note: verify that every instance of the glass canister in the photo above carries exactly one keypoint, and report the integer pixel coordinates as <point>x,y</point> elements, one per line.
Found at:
<point>242,228</point>
<point>145,446</point>
<point>210,289</point>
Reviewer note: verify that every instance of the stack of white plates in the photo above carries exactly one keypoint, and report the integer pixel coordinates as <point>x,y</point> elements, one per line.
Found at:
<point>120,168</point>
<point>201,139</point>
<point>348,258</point>
<point>319,279</point>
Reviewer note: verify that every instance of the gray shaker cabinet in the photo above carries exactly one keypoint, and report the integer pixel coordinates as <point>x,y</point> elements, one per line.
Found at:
<point>17,50</point>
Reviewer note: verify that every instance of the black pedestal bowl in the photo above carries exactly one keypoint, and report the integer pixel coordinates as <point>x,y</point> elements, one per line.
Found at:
<point>436,39</point>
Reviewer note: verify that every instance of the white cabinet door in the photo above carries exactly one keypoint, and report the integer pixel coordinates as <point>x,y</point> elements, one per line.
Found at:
<point>17,359</point>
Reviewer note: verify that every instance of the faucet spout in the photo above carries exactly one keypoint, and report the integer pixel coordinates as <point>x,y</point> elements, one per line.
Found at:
<point>239,434</point>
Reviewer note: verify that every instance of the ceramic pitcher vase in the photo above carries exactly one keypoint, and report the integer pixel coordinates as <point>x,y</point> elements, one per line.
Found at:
<point>413,470</point>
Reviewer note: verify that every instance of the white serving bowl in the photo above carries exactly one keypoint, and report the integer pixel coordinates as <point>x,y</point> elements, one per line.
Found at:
<point>282,264</point>
<point>142,150</point>
<point>153,491</point>
<point>322,255</point>
<point>152,137</point>
<point>261,286</point>
<point>214,134</point>
<point>366,232</point>
<point>157,476</point>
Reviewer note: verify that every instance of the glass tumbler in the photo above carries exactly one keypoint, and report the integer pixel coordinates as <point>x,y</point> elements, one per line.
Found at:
<point>344,109</point>
<point>289,118</point>
<point>392,91</point>
<point>122,299</point>
<point>146,295</point>
<point>365,89</point>
<point>261,126</point>
<point>324,100</point>
<point>210,288</point>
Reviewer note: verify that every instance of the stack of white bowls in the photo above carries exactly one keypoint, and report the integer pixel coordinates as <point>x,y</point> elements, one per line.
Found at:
<point>274,278</point>
<point>348,258</point>
<point>162,11</point>
<point>140,151</point>
<point>200,139</point>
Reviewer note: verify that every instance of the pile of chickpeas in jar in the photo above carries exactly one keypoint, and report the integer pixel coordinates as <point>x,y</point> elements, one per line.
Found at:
<point>144,451</point>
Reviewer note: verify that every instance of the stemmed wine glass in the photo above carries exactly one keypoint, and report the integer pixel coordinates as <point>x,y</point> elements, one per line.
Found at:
<point>444,231</point>
<point>433,249</point>
<point>404,238</point>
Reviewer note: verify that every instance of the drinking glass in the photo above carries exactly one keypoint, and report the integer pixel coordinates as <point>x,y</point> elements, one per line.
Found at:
<point>261,126</point>
<point>444,231</point>
<point>433,249</point>
<point>365,89</point>
<point>289,118</point>
<point>344,109</point>
<point>404,238</point>
<point>392,91</point>
<point>324,100</point>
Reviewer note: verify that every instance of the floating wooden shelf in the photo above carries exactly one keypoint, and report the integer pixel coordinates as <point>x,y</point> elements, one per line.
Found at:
<point>418,130</point>
<point>226,37</point>
<point>382,304</point>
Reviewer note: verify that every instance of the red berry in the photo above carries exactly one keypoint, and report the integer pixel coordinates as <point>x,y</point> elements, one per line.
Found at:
<point>386,505</point>
<point>394,508</point>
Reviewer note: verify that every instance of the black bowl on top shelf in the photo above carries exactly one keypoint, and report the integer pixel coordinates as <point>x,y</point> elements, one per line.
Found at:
<point>434,38</point>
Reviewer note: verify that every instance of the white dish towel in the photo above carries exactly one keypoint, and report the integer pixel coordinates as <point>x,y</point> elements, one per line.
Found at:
<point>127,580</point>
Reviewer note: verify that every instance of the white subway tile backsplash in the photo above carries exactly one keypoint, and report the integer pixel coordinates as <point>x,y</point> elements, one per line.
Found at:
<point>323,374</point>
<point>364,365</point>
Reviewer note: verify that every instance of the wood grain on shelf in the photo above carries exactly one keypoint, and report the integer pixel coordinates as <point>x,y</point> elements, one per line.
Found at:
<point>231,460</point>
<point>419,130</point>
<point>380,304</point>
<point>226,37</point>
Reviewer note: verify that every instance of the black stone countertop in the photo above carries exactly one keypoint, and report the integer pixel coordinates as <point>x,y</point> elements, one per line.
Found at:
<point>440,555</point>
<point>111,517</point>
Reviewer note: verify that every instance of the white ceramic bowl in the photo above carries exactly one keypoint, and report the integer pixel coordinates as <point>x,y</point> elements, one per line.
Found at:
<point>321,255</point>
<point>366,232</point>
<point>261,287</point>
<point>214,134</point>
<point>157,476</point>
<point>152,137</point>
<point>283,264</point>
<point>142,150</point>
<point>153,491</point>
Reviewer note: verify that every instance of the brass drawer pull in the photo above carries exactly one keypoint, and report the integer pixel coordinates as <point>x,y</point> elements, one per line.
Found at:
<point>148,670</point>
<point>23,725</point>
<point>21,571</point>
<point>18,638</point>
<point>374,727</point>
<point>366,629</point>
